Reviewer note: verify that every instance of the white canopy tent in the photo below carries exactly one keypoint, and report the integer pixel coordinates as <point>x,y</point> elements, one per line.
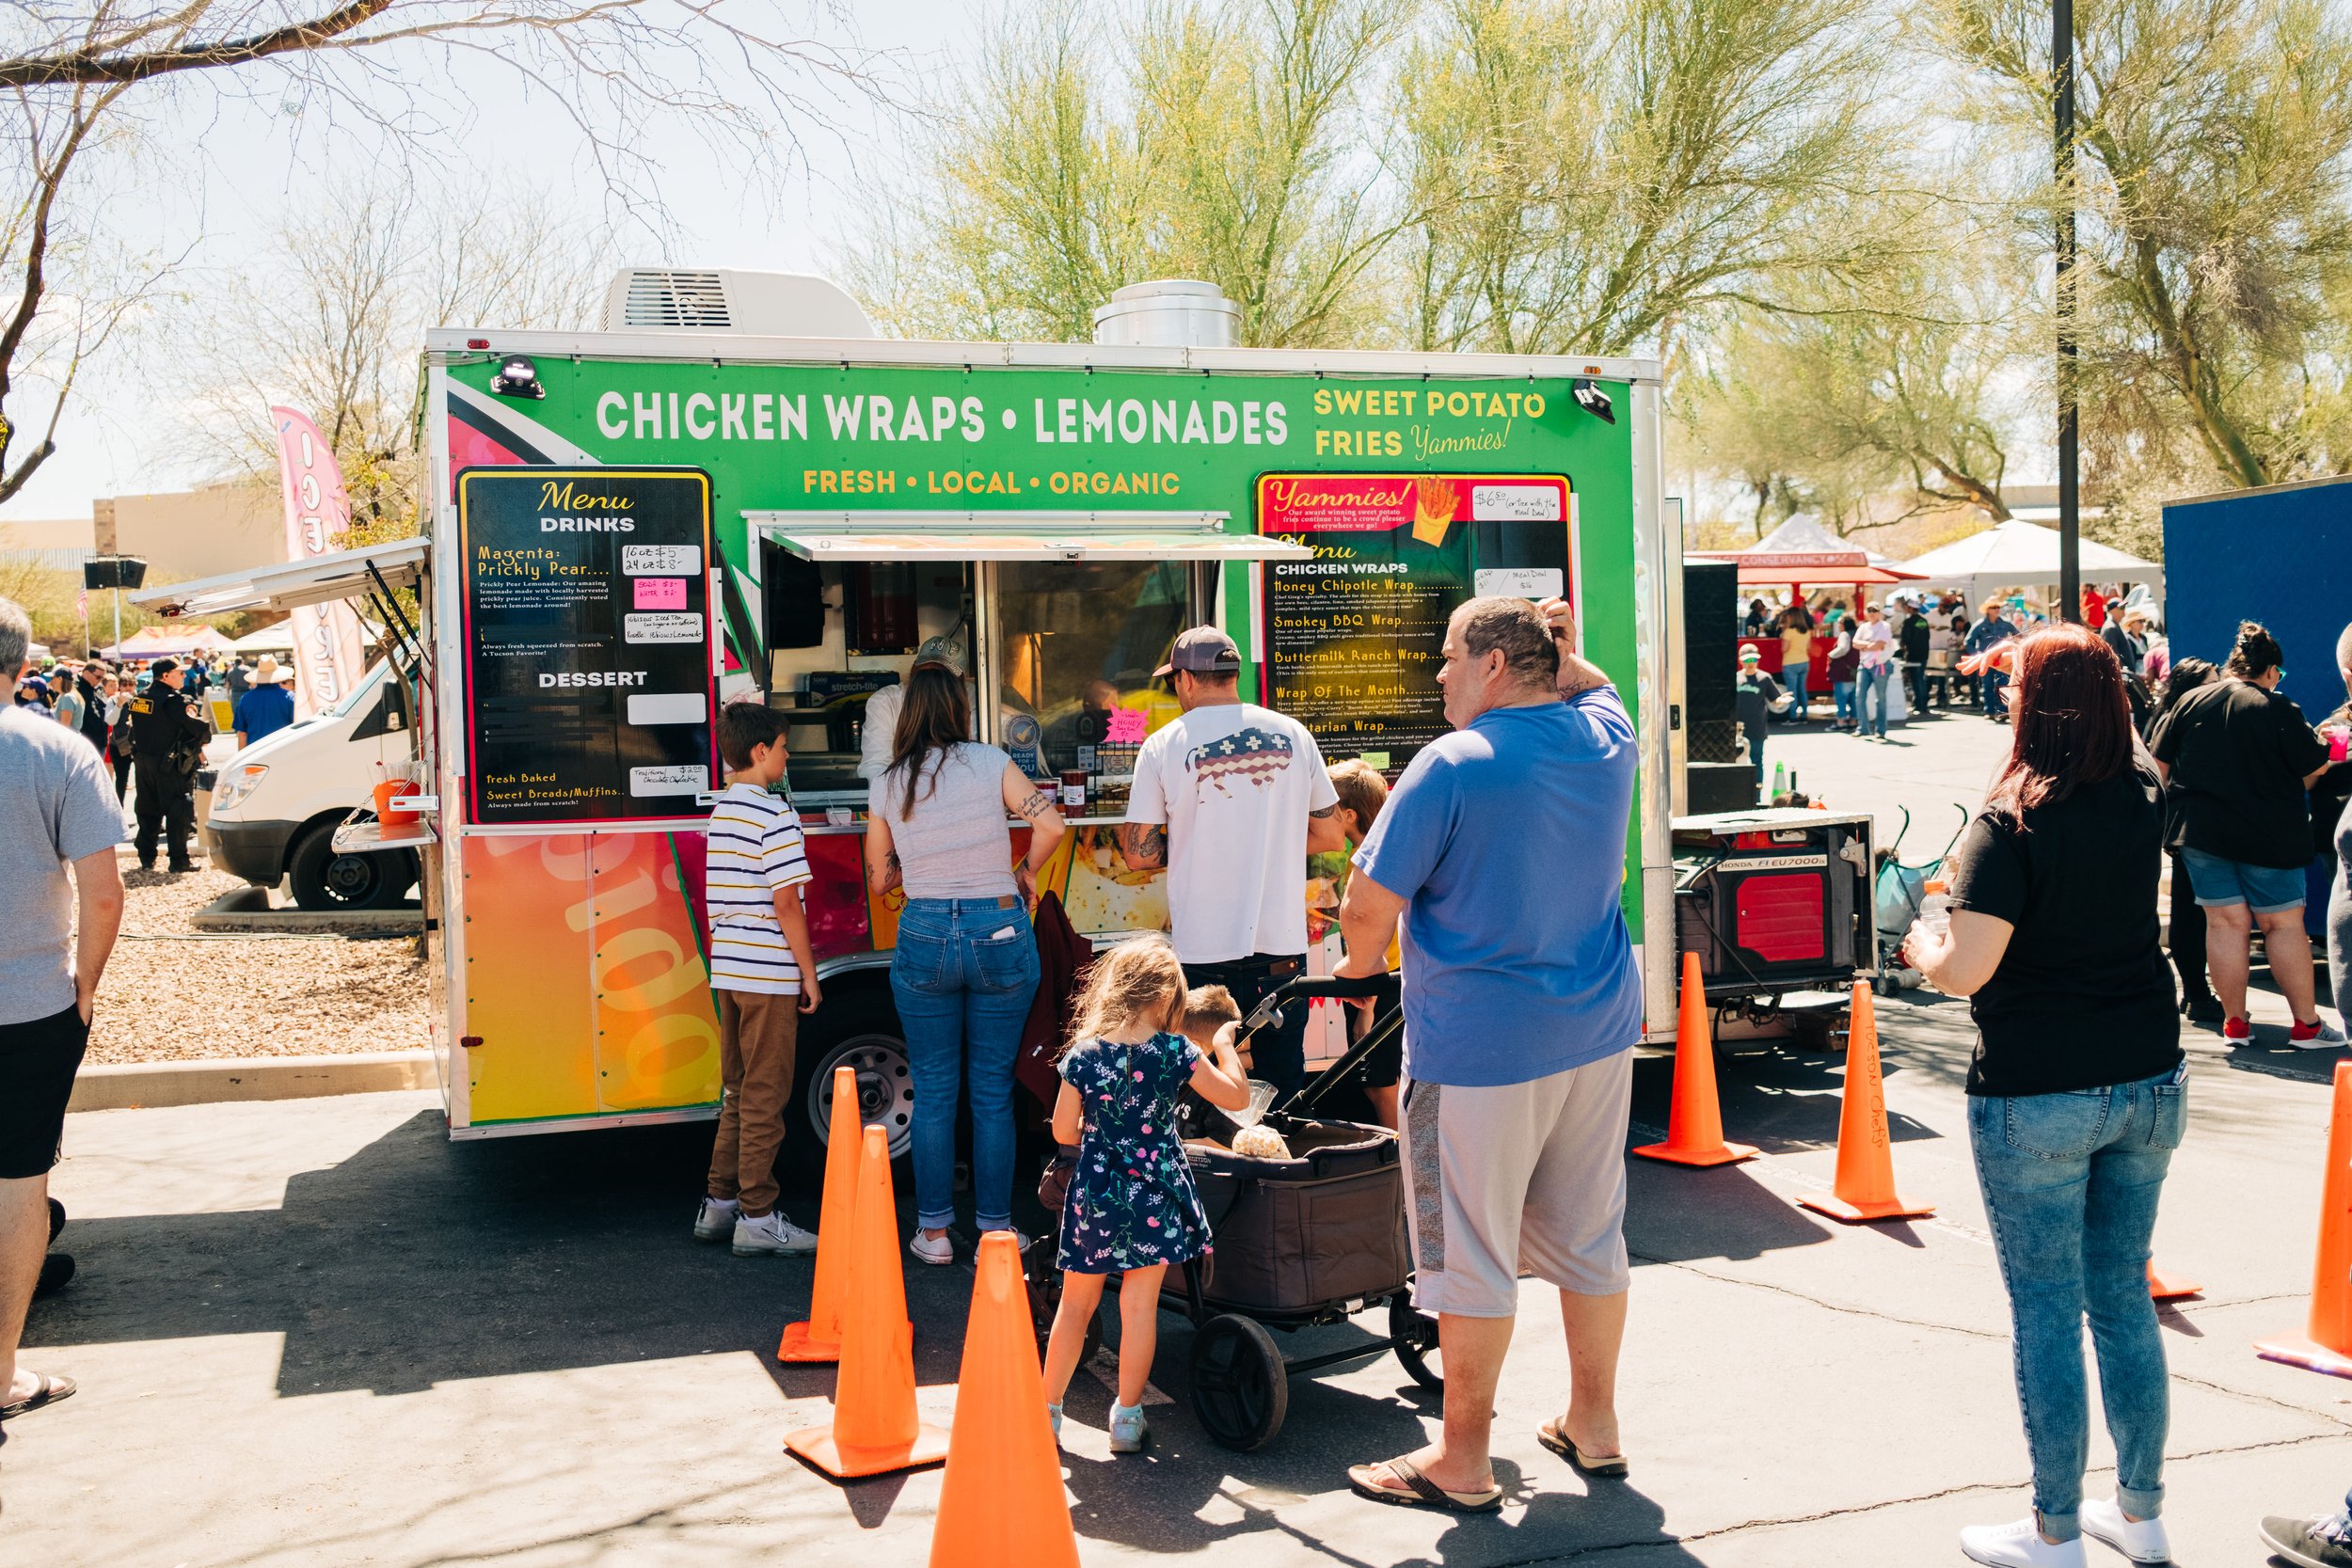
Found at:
<point>2018,554</point>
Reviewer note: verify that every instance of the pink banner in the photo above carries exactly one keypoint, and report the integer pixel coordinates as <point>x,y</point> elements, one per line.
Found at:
<point>329,656</point>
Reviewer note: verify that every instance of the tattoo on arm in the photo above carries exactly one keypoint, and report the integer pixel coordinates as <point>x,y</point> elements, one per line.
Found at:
<point>1037,805</point>
<point>1146,843</point>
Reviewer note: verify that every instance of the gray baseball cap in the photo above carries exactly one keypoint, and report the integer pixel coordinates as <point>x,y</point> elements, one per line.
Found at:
<point>1203,651</point>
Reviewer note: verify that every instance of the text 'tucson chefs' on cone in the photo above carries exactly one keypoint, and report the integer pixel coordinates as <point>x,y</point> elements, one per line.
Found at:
<point>1694,1125</point>
<point>1864,1187</point>
<point>820,1339</point>
<point>2325,1345</point>
<point>874,1425</point>
<point>1001,1503</point>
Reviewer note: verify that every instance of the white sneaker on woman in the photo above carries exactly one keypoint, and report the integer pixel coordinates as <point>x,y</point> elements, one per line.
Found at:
<point>2141,1540</point>
<point>938,1251</point>
<point>2018,1545</point>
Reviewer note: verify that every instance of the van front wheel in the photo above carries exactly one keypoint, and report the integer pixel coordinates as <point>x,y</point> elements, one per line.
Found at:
<point>323,880</point>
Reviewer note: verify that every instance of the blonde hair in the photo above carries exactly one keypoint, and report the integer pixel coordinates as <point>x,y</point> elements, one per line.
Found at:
<point>1360,789</point>
<point>1135,981</point>
<point>1208,1008</point>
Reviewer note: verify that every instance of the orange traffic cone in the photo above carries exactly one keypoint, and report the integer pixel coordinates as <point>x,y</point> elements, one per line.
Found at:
<point>2327,1344</point>
<point>874,1425</point>
<point>2169,1287</point>
<point>1865,1186</point>
<point>1695,1126</point>
<point>1001,1504</point>
<point>820,1339</point>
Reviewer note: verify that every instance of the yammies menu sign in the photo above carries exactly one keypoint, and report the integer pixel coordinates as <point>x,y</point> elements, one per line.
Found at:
<point>1355,638</point>
<point>588,643</point>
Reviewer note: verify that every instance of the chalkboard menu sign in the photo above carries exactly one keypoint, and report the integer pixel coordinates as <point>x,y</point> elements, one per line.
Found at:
<point>588,644</point>
<point>1355,638</point>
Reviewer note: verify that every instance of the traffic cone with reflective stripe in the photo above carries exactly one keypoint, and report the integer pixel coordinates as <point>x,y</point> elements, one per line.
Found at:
<point>1865,1186</point>
<point>1001,1504</point>
<point>874,1428</point>
<point>2326,1342</point>
<point>2169,1287</point>
<point>1694,1125</point>
<point>820,1339</point>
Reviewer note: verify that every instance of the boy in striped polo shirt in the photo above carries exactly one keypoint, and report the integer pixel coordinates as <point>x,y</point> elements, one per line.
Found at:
<point>763,976</point>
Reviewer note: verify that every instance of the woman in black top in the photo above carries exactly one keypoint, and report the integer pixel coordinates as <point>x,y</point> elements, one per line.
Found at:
<point>2077,1090</point>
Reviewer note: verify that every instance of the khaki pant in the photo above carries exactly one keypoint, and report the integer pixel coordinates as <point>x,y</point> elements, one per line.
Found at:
<point>756,1032</point>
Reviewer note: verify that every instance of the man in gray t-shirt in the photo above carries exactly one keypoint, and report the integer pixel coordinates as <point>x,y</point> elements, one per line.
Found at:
<point>60,813</point>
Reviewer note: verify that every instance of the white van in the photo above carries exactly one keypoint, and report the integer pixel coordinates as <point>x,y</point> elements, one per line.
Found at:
<point>276,804</point>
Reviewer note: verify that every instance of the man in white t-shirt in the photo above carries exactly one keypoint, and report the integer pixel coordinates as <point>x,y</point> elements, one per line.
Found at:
<point>1232,797</point>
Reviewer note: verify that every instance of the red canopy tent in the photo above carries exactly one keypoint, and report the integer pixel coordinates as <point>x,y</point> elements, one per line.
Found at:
<point>1800,554</point>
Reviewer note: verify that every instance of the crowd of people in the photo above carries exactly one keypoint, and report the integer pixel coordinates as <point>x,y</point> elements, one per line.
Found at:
<point>1522,1004</point>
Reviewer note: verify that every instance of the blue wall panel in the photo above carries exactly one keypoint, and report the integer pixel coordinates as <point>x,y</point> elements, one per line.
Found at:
<point>2280,556</point>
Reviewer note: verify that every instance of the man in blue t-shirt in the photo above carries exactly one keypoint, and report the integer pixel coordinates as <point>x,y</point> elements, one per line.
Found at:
<point>1502,849</point>
<point>266,707</point>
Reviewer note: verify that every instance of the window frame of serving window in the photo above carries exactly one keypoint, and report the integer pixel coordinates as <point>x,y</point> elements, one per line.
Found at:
<point>997,552</point>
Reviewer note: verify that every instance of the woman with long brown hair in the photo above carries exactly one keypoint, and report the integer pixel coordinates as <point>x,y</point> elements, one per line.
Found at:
<point>2078,1091</point>
<point>965,967</point>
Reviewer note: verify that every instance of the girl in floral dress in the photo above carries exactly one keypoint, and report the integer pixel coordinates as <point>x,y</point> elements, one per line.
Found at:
<point>1131,1209</point>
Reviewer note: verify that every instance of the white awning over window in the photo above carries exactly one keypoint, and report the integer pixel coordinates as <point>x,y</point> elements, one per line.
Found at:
<point>1017,536</point>
<point>343,575</point>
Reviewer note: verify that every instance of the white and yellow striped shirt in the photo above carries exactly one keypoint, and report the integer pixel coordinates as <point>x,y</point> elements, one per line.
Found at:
<point>752,848</point>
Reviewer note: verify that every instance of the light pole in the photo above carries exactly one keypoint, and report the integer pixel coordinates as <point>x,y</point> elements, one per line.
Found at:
<point>2069,479</point>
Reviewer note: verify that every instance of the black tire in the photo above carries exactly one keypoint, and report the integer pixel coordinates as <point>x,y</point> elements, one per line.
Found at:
<point>325,881</point>
<point>1240,1388</point>
<point>859,1029</point>
<point>1416,1338</point>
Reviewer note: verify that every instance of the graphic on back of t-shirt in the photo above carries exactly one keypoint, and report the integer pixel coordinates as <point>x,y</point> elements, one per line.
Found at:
<point>1251,755</point>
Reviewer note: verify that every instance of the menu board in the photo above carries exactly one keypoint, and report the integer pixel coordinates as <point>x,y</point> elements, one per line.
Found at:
<point>588,643</point>
<point>1355,638</point>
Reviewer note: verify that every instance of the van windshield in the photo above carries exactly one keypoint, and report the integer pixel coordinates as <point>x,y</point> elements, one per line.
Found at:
<point>364,691</point>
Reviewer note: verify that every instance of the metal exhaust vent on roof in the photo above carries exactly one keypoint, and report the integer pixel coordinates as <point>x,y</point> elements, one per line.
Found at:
<point>674,299</point>
<point>725,300</point>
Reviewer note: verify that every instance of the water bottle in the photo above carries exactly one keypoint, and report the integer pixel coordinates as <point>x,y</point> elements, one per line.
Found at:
<point>1935,911</point>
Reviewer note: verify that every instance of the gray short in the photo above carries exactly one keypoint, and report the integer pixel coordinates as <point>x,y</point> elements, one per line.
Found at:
<point>1528,1174</point>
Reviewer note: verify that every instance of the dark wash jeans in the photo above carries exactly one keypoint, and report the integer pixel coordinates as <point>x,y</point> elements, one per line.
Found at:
<point>963,976</point>
<point>2071,1183</point>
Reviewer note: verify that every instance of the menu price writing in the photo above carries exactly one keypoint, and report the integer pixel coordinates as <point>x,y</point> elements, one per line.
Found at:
<point>588,676</point>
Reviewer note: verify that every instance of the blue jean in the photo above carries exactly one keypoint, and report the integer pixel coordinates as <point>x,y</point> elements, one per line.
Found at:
<point>964,976</point>
<point>1841,692</point>
<point>1990,684</point>
<point>1873,686</point>
<point>2071,1183</point>
<point>1793,679</point>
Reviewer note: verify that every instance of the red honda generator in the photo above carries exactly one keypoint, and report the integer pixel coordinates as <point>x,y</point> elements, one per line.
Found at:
<point>1776,903</point>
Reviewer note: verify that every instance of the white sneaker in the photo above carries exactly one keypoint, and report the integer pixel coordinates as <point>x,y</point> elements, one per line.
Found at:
<point>2142,1541</point>
<point>938,1251</point>
<point>2319,1035</point>
<point>772,1236</point>
<point>715,1220</point>
<point>2018,1545</point>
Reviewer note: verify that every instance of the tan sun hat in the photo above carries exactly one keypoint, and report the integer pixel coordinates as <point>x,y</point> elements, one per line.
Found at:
<point>266,671</point>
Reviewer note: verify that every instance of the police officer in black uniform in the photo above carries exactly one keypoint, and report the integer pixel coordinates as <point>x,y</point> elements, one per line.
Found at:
<point>168,735</point>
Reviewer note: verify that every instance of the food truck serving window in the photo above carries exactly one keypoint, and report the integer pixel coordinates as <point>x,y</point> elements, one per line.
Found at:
<point>1075,641</point>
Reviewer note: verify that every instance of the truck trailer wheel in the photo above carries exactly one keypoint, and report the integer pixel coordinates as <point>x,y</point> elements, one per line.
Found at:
<point>323,880</point>
<point>859,1030</point>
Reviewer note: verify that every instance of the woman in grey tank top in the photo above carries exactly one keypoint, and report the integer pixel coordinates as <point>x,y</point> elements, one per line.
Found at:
<point>965,967</point>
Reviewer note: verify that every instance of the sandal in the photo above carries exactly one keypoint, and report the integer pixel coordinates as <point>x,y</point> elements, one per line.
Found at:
<point>1550,1435</point>
<point>49,1391</point>
<point>1422,1493</point>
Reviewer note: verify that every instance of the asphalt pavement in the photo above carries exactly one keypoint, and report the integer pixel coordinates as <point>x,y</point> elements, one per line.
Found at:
<point>316,1332</point>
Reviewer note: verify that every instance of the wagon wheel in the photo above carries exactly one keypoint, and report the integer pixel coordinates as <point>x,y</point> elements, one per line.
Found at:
<point>1240,1388</point>
<point>1416,1341</point>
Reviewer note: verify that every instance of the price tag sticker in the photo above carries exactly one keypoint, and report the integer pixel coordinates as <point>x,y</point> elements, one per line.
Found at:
<point>691,780</point>
<point>1126,727</point>
<point>1515,503</point>
<point>660,593</point>
<point>1519,583</point>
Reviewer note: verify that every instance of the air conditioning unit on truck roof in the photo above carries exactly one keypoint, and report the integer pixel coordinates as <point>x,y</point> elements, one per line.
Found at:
<point>748,304</point>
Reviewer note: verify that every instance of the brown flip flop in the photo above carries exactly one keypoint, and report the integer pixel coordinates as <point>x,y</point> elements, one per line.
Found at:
<point>1424,1493</point>
<point>1559,1442</point>
<point>49,1391</point>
